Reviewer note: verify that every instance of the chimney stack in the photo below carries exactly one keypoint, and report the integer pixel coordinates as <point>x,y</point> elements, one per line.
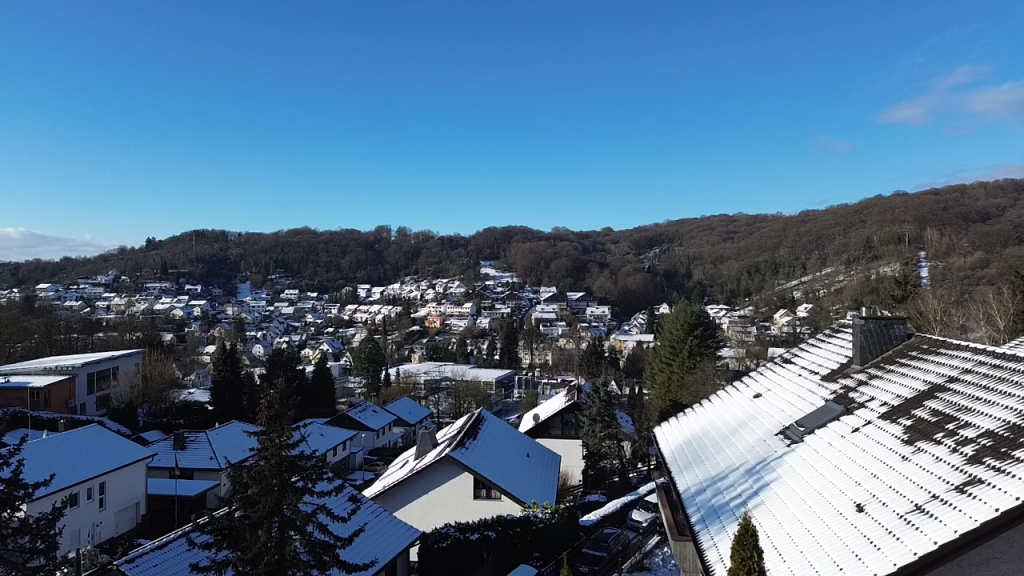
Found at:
<point>179,440</point>
<point>425,443</point>
<point>60,426</point>
<point>874,336</point>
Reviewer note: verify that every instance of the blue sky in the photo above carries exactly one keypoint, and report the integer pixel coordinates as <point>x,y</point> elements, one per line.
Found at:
<point>122,120</point>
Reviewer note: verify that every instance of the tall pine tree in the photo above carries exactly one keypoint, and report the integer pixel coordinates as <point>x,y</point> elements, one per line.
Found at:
<point>746,557</point>
<point>228,385</point>
<point>689,339</point>
<point>277,522</point>
<point>27,543</point>
<point>370,363</point>
<point>508,333</point>
<point>321,400</point>
<point>602,435</point>
<point>284,371</point>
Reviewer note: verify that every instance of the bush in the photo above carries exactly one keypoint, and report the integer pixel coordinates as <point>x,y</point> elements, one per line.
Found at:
<point>495,546</point>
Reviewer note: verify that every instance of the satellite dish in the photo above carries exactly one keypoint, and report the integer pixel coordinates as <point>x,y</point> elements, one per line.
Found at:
<point>536,418</point>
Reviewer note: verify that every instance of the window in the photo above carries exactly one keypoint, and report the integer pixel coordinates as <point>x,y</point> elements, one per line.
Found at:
<point>103,402</point>
<point>73,500</point>
<point>483,491</point>
<point>90,383</point>
<point>47,398</point>
<point>101,380</point>
<point>103,496</point>
<point>334,453</point>
<point>88,494</point>
<point>81,408</point>
<point>184,475</point>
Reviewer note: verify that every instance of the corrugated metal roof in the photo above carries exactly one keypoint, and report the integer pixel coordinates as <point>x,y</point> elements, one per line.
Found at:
<point>930,449</point>
<point>517,464</point>
<point>408,410</point>
<point>385,538</point>
<point>78,455</point>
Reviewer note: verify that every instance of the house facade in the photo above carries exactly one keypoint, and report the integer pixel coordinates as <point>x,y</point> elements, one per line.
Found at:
<point>96,375</point>
<point>48,393</point>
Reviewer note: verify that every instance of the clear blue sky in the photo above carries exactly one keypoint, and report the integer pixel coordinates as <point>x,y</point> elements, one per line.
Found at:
<point>123,119</point>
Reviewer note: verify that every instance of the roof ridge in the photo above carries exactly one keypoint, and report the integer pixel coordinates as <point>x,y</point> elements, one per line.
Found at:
<point>986,347</point>
<point>456,443</point>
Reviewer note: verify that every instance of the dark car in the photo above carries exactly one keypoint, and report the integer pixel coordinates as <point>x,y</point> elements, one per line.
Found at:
<point>603,550</point>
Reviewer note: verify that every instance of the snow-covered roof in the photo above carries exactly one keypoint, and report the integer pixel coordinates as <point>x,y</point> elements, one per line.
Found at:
<point>320,437</point>
<point>450,371</point>
<point>384,538</point>
<point>518,465</point>
<point>62,363</point>
<point>408,410</point>
<point>188,488</point>
<point>617,504</point>
<point>78,455</point>
<point>1015,345</point>
<point>207,449</point>
<point>928,450</point>
<point>152,435</point>
<point>549,408</point>
<point>366,416</point>
<point>192,395</point>
<point>19,381</point>
<point>14,436</point>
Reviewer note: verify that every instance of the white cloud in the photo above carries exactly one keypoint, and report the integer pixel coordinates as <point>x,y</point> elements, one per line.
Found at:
<point>20,244</point>
<point>968,175</point>
<point>947,94</point>
<point>831,145</point>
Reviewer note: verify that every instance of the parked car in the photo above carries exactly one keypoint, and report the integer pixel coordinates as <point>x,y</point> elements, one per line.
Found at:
<point>642,517</point>
<point>602,551</point>
<point>589,500</point>
<point>375,466</point>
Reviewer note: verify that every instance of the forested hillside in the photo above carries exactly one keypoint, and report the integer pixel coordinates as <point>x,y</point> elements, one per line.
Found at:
<point>974,235</point>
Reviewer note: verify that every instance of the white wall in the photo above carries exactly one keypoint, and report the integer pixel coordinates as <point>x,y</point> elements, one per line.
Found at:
<point>127,365</point>
<point>441,494</point>
<point>571,451</point>
<point>125,488</point>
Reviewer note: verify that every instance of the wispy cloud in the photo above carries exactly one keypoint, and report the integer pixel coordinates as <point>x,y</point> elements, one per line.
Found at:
<point>967,175</point>
<point>949,95</point>
<point>832,145</point>
<point>18,244</point>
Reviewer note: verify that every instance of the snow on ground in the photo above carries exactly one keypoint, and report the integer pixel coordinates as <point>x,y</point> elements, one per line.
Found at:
<point>662,563</point>
<point>615,505</point>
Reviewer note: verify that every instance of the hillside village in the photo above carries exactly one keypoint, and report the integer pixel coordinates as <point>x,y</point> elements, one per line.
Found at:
<point>462,427</point>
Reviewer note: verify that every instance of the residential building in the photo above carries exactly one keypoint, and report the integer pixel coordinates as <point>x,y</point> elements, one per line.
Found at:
<point>333,443</point>
<point>35,393</point>
<point>374,425</point>
<point>477,467</point>
<point>426,374</point>
<point>203,455</point>
<point>103,476</point>
<point>865,450</point>
<point>411,417</point>
<point>96,375</point>
<point>557,424</point>
<point>385,542</point>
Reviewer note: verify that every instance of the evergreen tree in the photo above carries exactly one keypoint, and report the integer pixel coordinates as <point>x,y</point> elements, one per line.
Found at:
<point>530,401</point>
<point>489,352</point>
<point>369,363</point>
<point>689,339</point>
<point>461,351</point>
<point>283,370</point>
<point>385,381</point>
<point>653,323</point>
<point>228,385</point>
<point>277,523</point>
<point>746,557</point>
<point>250,396</point>
<point>508,333</point>
<point>602,435</point>
<point>27,543</point>
<point>321,401</point>
<point>593,362</point>
<point>639,412</point>
<point>635,363</point>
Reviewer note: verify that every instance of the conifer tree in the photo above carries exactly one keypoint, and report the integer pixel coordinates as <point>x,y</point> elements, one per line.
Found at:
<point>369,363</point>
<point>530,401</point>
<point>27,543</point>
<point>689,338</point>
<point>276,522</point>
<point>746,557</point>
<point>283,369</point>
<point>228,385</point>
<point>508,334</point>
<point>602,435</point>
<point>461,351</point>
<point>593,362</point>
<point>321,401</point>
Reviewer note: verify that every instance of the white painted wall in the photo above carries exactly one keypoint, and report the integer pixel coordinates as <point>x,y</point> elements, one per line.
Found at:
<point>441,494</point>
<point>571,451</point>
<point>127,365</point>
<point>125,488</point>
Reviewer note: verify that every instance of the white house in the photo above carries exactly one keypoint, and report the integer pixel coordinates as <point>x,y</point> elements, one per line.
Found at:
<point>374,424</point>
<point>384,543</point>
<point>203,455</point>
<point>412,417</point>
<point>477,467</point>
<point>333,443</point>
<point>102,474</point>
<point>96,375</point>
